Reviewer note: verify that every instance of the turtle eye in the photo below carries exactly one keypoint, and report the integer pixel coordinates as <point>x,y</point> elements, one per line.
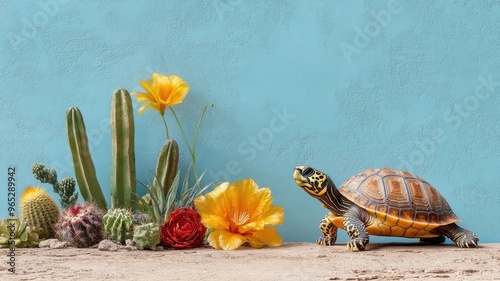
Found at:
<point>307,172</point>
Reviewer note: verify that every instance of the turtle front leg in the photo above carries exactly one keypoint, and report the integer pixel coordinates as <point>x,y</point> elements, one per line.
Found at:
<point>329,231</point>
<point>462,237</point>
<point>355,227</point>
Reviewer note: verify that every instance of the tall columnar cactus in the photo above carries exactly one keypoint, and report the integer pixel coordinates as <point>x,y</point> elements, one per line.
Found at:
<point>65,188</point>
<point>166,167</point>
<point>123,180</point>
<point>82,161</point>
<point>16,233</point>
<point>38,209</point>
<point>119,224</point>
<point>80,225</point>
<point>147,236</point>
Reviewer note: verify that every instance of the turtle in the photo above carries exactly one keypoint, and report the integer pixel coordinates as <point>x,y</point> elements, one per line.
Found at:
<point>384,202</point>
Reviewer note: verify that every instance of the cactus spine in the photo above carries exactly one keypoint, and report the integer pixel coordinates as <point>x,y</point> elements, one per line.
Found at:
<point>38,209</point>
<point>82,161</point>
<point>118,224</point>
<point>80,225</point>
<point>123,180</point>
<point>147,236</point>
<point>166,168</point>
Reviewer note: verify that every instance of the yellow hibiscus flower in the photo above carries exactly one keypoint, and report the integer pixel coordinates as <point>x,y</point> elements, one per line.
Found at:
<point>240,213</point>
<point>162,92</point>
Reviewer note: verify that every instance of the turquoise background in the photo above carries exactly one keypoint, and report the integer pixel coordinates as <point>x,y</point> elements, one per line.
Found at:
<point>338,85</point>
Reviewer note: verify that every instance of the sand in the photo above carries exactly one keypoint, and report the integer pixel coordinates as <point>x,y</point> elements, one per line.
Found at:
<point>290,262</point>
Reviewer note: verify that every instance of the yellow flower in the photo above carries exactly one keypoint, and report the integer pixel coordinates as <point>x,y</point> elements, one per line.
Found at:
<point>238,213</point>
<point>162,92</point>
<point>32,193</point>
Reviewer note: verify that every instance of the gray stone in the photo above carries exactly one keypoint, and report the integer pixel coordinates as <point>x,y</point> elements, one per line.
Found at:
<point>46,243</point>
<point>128,248</point>
<point>53,244</point>
<point>129,242</point>
<point>107,245</point>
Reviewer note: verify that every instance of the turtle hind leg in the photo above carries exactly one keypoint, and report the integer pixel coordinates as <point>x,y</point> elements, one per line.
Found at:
<point>462,237</point>
<point>433,240</point>
<point>329,231</point>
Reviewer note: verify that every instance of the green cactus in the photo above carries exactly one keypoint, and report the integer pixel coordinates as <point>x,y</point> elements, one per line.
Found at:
<point>16,233</point>
<point>118,224</point>
<point>166,167</point>
<point>147,236</point>
<point>123,180</point>
<point>158,205</point>
<point>65,188</point>
<point>45,175</point>
<point>82,161</point>
<point>38,209</point>
<point>67,192</point>
<point>80,225</point>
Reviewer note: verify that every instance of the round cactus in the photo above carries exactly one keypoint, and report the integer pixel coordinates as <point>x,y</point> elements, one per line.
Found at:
<point>80,225</point>
<point>118,224</point>
<point>39,209</point>
<point>147,236</point>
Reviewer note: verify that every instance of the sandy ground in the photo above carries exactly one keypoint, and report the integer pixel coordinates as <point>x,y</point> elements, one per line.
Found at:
<point>290,262</point>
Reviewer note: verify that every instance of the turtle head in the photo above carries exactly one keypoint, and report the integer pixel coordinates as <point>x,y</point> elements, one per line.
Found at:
<point>314,182</point>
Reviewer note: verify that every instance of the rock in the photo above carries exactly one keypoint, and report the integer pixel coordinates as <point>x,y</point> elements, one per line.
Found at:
<point>107,245</point>
<point>159,248</point>
<point>59,245</point>
<point>129,248</point>
<point>46,243</point>
<point>129,242</point>
<point>53,244</point>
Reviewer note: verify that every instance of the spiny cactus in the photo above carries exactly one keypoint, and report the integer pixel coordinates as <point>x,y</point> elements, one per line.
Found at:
<point>82,161</point>
<point>24,236</point>
<point>118,224</point>
<point>80,225</point>
<point>44,175</point>
<point>142,218</point>
<point>123,181</point>
<point>39,209</point>
<point>67,192</point>
<point>158,204</point>
<point>147,236</point>
<point>166,167</point>
<point>65,188</point>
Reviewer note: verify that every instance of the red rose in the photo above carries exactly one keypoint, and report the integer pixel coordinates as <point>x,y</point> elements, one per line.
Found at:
<point>183,229</point>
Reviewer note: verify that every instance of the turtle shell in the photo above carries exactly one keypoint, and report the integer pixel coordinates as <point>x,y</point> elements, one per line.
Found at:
<point>401,203</point>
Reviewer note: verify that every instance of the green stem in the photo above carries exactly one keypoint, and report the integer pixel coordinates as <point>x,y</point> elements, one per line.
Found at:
<point>192,152</point>
<point>199,124</point>
<point>165,123</point>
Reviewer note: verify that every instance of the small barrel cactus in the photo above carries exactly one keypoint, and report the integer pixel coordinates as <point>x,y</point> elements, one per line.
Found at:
<point>39,209</point>
<point>23,235</point>
<point>147,236</point>
<point>119,224</point>
<point>80,225</point>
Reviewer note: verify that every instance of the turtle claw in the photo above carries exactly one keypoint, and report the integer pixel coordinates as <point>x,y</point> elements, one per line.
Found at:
<point>356,244</point>
<point>325,241</point>
<point>468,240</point>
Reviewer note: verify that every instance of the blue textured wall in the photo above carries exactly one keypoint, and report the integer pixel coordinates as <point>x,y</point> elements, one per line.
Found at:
<point>338,86</point>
